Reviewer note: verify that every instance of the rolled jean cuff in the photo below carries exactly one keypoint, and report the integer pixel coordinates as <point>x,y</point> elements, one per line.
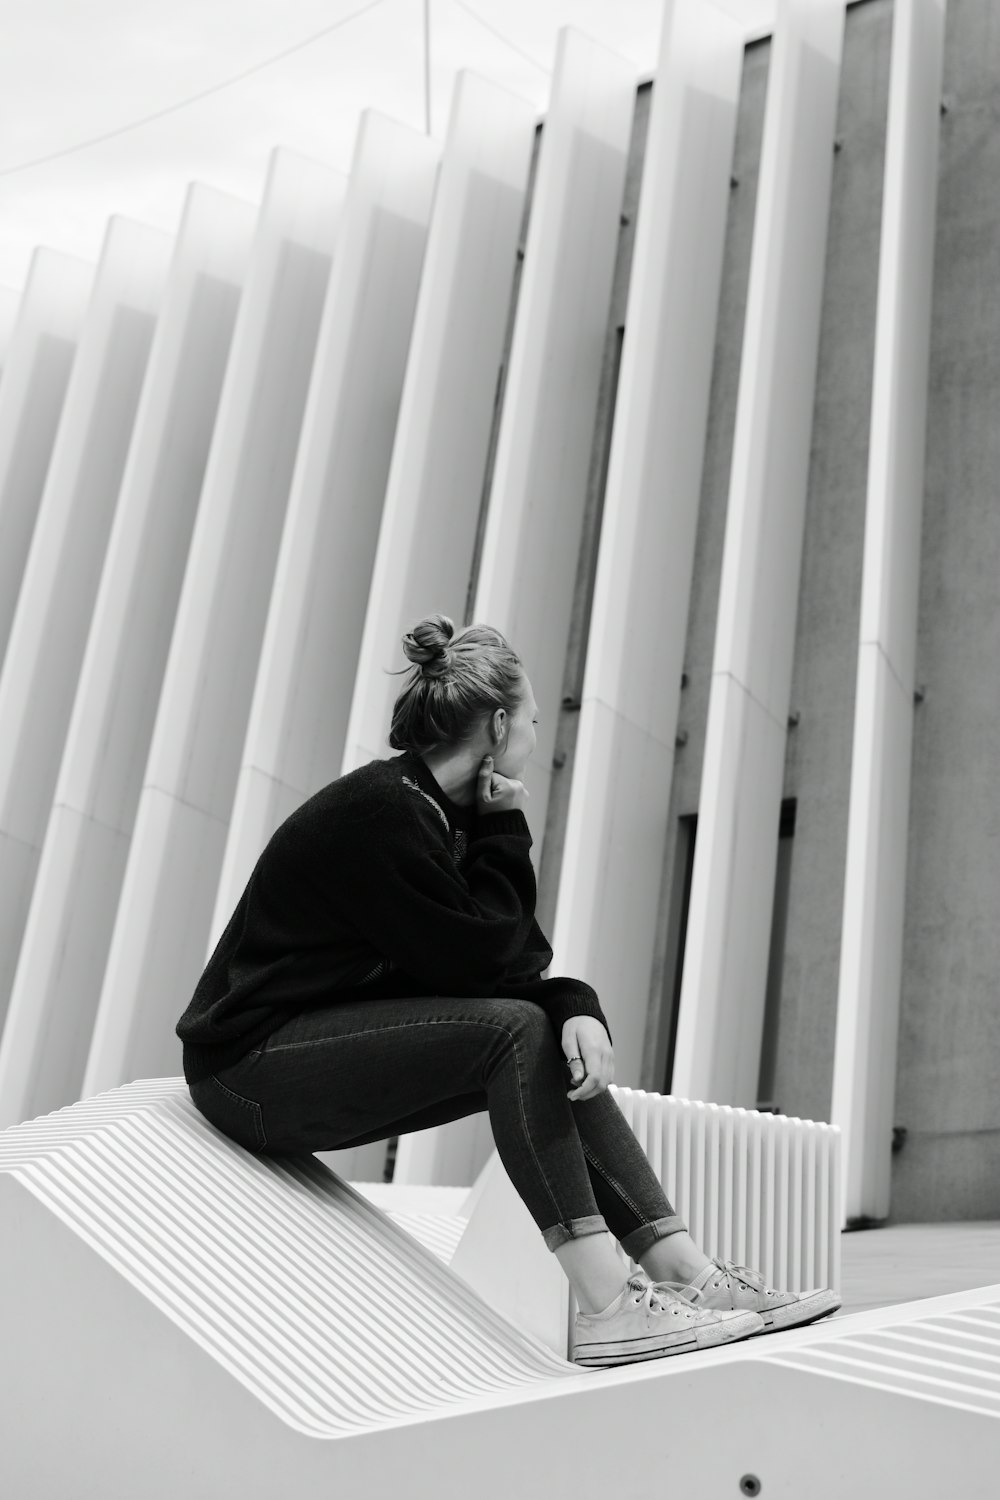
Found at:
<point>639,1241</point>
<point>572,1229</point>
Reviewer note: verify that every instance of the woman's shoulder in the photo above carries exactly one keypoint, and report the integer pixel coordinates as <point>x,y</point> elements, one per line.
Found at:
<point>358,801</point>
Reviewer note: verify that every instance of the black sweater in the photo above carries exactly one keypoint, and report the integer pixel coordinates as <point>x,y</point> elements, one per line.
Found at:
<point>378,884</point>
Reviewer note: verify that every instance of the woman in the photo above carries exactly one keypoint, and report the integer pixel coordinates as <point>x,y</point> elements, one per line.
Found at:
<point>381,973</point>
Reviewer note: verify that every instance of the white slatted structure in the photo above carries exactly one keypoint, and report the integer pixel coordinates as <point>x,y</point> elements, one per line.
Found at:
<point>297,720</point>
<point>82,863</point>
<point>261,1323</point>
<point>241,551</point>
<point>729,923</point>
<point>759,1189</point>
<point>871,959</point>
<point>257,438</point>
<point>36,372</point>
<point>609,890</point>
<point>63,569</point>
<point>528,570</point>
<point>303,1292</point>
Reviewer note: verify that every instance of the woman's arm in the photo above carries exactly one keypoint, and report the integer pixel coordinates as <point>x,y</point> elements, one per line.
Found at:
<point>459,932</point>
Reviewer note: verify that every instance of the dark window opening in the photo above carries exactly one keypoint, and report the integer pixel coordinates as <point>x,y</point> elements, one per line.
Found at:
<point>677,921</point>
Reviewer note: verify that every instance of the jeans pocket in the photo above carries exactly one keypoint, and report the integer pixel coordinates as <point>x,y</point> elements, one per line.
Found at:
<point>240,1118</point>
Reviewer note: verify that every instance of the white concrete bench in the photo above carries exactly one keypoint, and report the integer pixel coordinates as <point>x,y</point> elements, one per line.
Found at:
<point>183,1317</point>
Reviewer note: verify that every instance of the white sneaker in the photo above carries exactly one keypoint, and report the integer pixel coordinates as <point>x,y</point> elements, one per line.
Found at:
<point>644,1322</point>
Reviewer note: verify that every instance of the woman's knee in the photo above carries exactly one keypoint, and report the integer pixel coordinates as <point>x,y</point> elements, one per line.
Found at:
<point>528,1033</point>
<point>526,1021</point>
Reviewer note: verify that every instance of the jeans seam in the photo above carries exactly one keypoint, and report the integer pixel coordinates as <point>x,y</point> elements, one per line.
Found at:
<point>615,1185</point>
<point>345,1036</point>
<point>404,1025</point>
<point>527,1136</point>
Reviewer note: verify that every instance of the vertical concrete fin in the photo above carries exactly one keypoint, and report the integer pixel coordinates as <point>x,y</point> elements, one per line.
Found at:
<point>871,957</point>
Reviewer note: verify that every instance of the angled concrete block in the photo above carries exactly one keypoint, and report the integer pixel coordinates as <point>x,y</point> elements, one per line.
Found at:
<point>609,888</point>
<point>871,955</point>
<point>266,1293</point>
<point>36,371</point>
<point>502,1256</point>
<point>68,545</point>
<point>241,558</point>
<point>85,846</point>
<point>717,1053</point>
<point>182,1316</point>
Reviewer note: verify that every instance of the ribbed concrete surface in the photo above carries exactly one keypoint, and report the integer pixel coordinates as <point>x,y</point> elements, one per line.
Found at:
<point>316,1300</point>
<point>432,1213</point>
<point>953,1356</point>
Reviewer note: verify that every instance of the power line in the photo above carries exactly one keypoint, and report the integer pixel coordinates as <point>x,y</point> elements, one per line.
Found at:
<point>501,38</point>
<point>216,88</point>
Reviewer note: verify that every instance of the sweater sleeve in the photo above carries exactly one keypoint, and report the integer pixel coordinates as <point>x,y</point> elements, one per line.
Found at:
<point>457,933</point>
<point>471,934</point>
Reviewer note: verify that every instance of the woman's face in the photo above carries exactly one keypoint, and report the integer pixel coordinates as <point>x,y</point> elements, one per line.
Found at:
<point>517,745</point>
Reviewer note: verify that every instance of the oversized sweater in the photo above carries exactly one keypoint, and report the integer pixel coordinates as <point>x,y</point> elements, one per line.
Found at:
<point>377,885</point>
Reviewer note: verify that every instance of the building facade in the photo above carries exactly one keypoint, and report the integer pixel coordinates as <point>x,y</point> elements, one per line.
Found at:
<point>690,395</point>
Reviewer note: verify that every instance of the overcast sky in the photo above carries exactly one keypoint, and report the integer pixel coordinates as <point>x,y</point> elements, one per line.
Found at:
<point>71,70</point>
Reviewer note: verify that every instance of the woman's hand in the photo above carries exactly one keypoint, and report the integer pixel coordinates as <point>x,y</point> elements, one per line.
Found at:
<point>496,793</point>
<point>584,1038</point>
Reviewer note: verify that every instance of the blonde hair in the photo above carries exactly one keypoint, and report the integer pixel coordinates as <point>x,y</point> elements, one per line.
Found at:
<point>458,683</point>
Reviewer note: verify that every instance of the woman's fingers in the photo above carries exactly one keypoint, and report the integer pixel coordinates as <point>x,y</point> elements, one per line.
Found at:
<point>599,1073</point>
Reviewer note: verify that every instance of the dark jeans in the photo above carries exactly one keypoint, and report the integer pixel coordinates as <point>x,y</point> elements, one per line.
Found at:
<point>363,1070</point>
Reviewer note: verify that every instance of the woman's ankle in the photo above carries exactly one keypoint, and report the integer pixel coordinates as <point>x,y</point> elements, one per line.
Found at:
<point>593,1270</point>
<point>676,1257</point>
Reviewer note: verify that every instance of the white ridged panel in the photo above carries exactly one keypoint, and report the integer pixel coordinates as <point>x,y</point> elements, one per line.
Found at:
<point>871,955</point>
<point>430,519</point>
<point>251,552</point>
<point>10,303</point>
<point>157,1280</point>
<point>62,573</point>
<point>947,1356</point>
<point>533,530</point>
<point>440,1235</point>
<point>608,907</point>
<point>309,1295</point>
<point>530,548</point>
<point>82,862</point>
<point>759,1189</point>
<point>36,372</point>
<point>732,891</point>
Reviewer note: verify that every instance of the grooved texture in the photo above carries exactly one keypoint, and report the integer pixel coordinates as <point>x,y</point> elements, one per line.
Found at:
<point>954,1357</point>
<point>760,1189</point>
<point>333,1315</point>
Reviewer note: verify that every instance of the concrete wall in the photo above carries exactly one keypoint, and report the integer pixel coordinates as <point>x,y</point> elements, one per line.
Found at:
<point>948,1079</point>
<point>949,1051</point>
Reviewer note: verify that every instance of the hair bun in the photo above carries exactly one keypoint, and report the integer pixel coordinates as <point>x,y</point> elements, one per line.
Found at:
<point>428,644</point>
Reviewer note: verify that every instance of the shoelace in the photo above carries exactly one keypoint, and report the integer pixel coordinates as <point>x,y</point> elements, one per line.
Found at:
<point>651,1295</point>
<point>750,1278</point>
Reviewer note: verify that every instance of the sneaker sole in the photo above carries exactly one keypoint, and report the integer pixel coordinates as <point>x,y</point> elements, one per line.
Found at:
<point>798,1314</point>
<point>631,1351</point>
